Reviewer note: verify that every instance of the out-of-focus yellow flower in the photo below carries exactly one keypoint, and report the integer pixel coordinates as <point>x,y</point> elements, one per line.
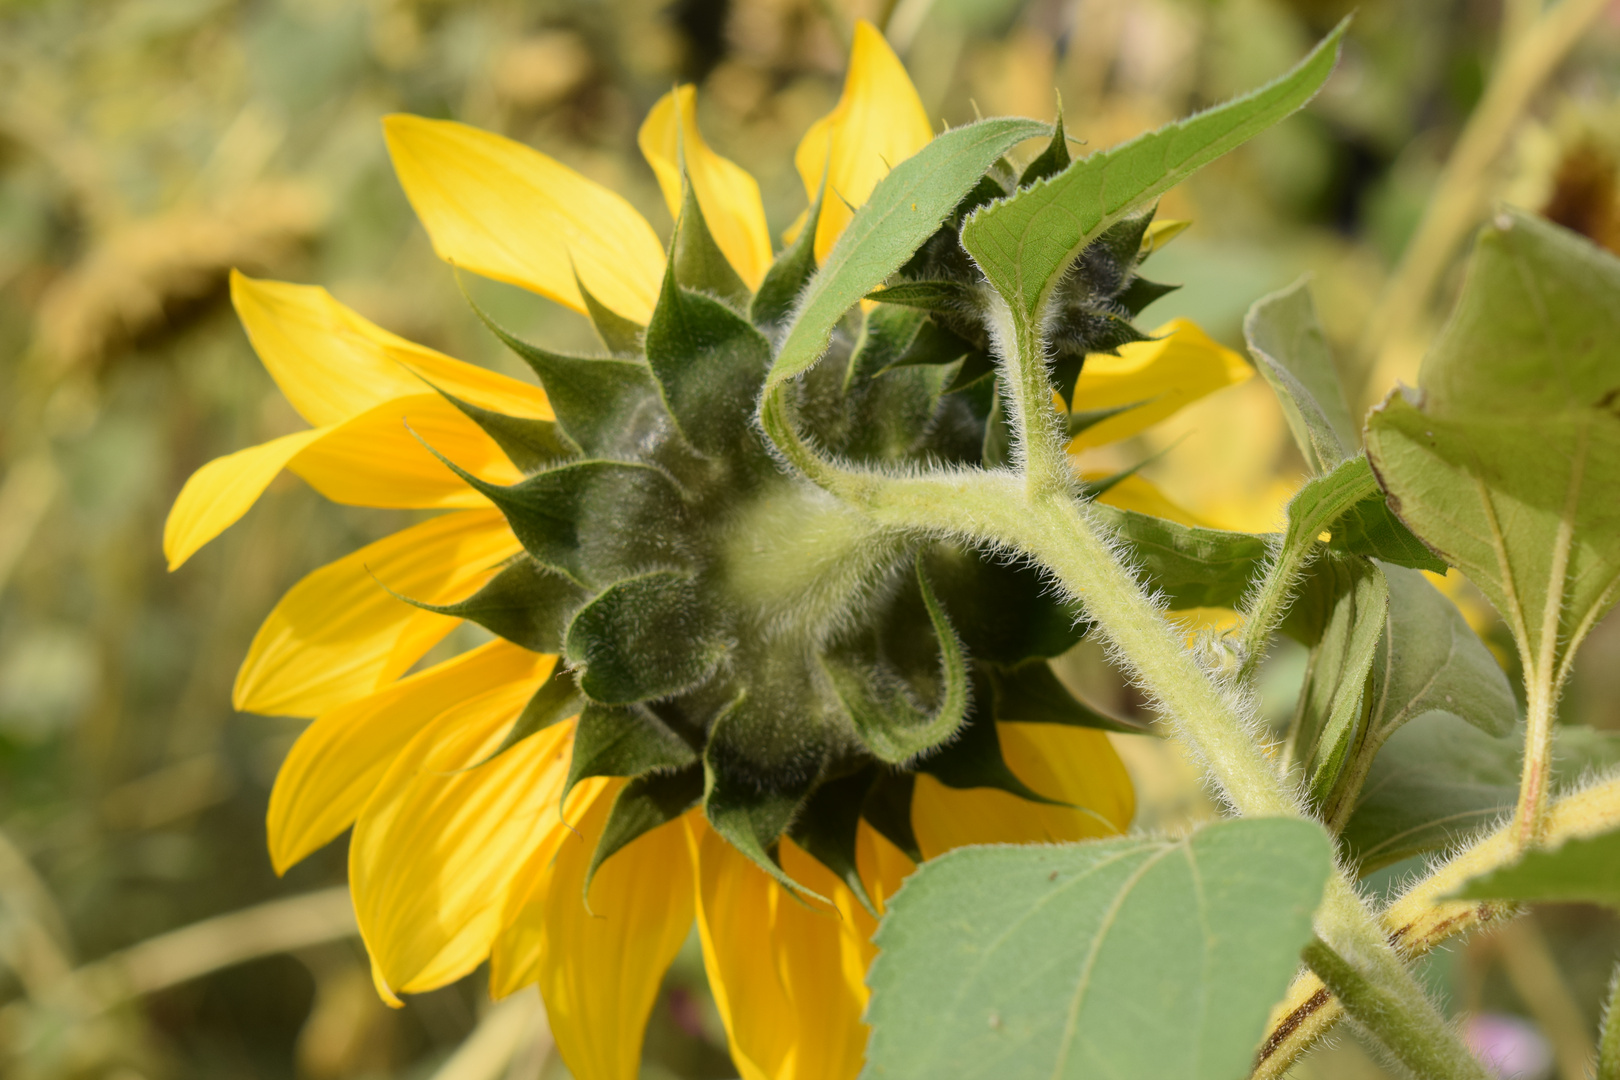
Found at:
<point>458,857</point>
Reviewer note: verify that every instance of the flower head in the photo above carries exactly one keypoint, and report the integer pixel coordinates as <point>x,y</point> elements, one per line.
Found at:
<point>715,692</point>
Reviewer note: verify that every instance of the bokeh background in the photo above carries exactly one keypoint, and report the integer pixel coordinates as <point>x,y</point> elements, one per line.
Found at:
<point>147,146</point>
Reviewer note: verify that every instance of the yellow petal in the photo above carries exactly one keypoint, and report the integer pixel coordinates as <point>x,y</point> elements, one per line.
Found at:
<point>337,762</point>
<point>726,193</point>
<point>521,947</point>
<point>1161,232</point>
<point>332,364</point>
<point>509,212</point>
<point>1136,492</point>
<point>220,492</point>
<point>338,635</point>
<point>390,998</point>
<point>1179,368</point>
<point>377,458</point>
<point>882,866</point>
<point>1076,765</point>
<point>601,967</point>
<point>788,979</point>
<point>440,843</point>
<point>878,123</point>
<point>372,459</point>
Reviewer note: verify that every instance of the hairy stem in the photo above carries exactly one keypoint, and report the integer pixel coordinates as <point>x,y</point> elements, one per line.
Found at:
<point>1530,813</point>
<point>1421,919</point>
<point>1039,453</point>
<point>1059,531</point>
<point>1410,1037</point>
<point>1312,510</point>
<point>1271,602</point>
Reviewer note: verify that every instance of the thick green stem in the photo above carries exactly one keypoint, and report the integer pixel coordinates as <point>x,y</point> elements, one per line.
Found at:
<point>1039,452</point>
<point>1058,531</point>
<point>1417,1038</point>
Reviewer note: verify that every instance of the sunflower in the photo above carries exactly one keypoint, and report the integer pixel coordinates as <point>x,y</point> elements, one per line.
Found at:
<point>713,694</point>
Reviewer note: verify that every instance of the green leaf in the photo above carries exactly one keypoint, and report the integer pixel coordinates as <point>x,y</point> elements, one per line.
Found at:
<point>1079,420</point>
<point>933,344</point>
<point>892,726</point>
<point>695,260</point>
<point>1291,351</point>
<point>904,210</point>
<point>525,603</point>
<point>643,638</point>
<point>1140,293</point>
<point>1349,499</point>
<point>641,806</point>
<point>1584,869</point>
<point>1031,694</point>
<point>595,521</point>
<point>827,828</point>
<point>1371,528</point>
<point>887,332</point>
<point>528,443</point>
<point>928,295</point>
<point>1319,504</point>
<point>974,759</point>
<point>1004,612</point>
<point>602,405</point>
<point>619,335</point>
<point>887,809</point>
<point>627,740</point>
<point>789,274</point>
<point>1121,958</point>
<point>709,362</point>
<point>1331,721</point>
<point>892,415</point>
<point>1507,459</point>
<point>1051,161</point>
<point>1026,243</point>
<point>1439,780</point>
<point>1428,660</point>
<point>557,699</point>
<point>760,765</point>
<point>1431,659</point>
<point>1188,565</point>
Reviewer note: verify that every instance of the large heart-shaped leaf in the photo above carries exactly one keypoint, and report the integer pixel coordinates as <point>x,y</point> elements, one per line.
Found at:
<point>1439,780</point>
<point>1121,958</point>
<point>1507,459</point>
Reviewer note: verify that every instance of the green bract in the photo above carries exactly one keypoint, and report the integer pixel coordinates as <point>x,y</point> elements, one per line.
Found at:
<point>730,632</point>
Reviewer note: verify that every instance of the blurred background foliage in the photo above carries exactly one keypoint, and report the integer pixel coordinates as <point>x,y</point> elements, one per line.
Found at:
<point>147,146</point>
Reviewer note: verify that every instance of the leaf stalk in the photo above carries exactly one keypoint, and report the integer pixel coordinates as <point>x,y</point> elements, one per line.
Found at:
<point>1415,1038</point>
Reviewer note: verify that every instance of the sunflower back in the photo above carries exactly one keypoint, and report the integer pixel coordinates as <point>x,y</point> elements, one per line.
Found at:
<point>733,635</point>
